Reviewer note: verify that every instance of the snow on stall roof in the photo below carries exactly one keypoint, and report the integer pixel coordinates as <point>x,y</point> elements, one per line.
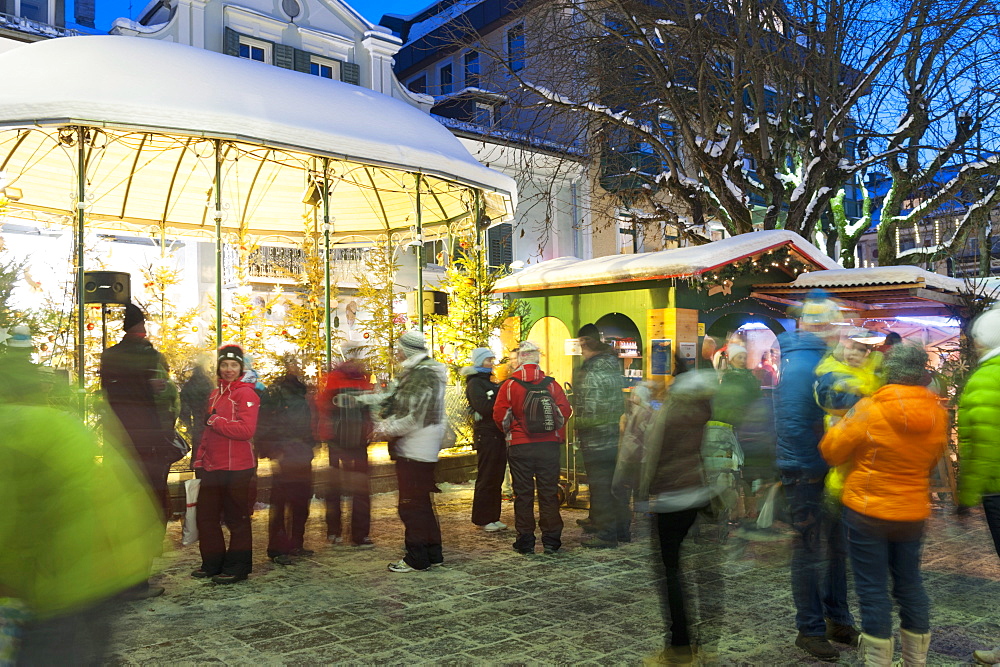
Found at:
<point>878,275</point>
<point>136,82</point>
<point>675,263</point>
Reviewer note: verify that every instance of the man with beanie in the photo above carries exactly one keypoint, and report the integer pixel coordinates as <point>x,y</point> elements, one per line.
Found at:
<point>532,410</point>
<point>136,385</point>
<point>979,437</point>
<point>819,565</point>
<point>488,440</point>
<point>413,422</point>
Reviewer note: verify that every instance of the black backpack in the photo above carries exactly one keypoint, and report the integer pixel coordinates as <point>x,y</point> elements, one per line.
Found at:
<point>541,414</point>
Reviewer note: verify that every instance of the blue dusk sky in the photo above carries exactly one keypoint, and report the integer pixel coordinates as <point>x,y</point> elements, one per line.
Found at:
<point>109,10</point>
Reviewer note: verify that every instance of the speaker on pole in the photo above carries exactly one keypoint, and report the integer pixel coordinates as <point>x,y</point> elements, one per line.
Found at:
<point>106,287</point>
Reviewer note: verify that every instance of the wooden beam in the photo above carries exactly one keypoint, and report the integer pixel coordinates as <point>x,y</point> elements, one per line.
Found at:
<point>940,297</point>
<point>908,311</point>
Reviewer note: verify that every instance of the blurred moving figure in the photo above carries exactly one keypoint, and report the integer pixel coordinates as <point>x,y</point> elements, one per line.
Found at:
<point>979,437</point>
<point>819,568</point>
<point>194,398</point>
<point>78,527</point>
<point>136,384</point>
<point>891,441</point>
<point>345,424</point>
<point>413,422</point>
<point>532,410</point>
<point>599,403</point>
<point>286,437</point>
<point>487,439</point>
<point>632,443</point>
<point>673,479</point>
<point>226,464</point>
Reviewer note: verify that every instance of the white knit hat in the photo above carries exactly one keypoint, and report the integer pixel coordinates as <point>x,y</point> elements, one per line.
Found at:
<point>528,353</point>
<point>412,343</point>
<point>986,329</point>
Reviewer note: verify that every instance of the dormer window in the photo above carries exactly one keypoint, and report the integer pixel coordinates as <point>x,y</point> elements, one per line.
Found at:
<point>253,49</point>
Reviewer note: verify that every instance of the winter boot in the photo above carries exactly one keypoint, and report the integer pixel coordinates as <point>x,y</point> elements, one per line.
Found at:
<point>987,657</point>
<point>914,648</point>
<point>875,652</point>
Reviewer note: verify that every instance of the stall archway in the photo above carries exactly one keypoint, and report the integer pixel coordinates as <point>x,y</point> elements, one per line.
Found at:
<point>550,334</point>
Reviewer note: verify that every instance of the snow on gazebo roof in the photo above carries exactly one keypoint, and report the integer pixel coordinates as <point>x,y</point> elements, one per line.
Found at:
<point>873,276</point>
<point>675,263</point>
<point>158,106</point>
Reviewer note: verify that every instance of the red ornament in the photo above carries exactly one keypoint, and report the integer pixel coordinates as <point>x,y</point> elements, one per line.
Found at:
<point>284,332</point>
<point>367,335</point>
<point>44,347</point>
<point>90,326</point>
<point>258,334</point>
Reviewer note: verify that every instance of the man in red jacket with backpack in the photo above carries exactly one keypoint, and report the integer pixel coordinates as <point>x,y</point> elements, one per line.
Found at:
<point>531,409</point>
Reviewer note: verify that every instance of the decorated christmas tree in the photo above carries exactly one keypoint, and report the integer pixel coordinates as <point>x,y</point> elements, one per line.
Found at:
<point>475,314</point>
<point>244,318</point>
<point>175,330</point>
<point>377,296</point>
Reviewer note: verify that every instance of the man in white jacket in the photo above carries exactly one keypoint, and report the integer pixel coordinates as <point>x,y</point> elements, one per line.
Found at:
<point>413,423</point>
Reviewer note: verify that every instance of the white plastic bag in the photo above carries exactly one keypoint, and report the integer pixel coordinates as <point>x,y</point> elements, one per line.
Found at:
<point>766,516</point>
<point>189,535</point>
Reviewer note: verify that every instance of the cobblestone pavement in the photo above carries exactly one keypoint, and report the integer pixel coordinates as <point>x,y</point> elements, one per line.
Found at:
<point>489,605</point>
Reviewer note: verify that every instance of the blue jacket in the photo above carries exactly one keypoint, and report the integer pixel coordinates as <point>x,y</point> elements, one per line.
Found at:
<point>798,419</point>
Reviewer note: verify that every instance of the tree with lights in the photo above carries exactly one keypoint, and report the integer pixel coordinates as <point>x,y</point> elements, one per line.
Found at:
<point>377,296</point>
<point>245,320</point>
<point>475,314</point>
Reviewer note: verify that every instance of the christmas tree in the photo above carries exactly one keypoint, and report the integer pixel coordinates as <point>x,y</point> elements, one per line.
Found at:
<point>173,329</point>
<point>475,314</point>
<point>377,296</point>
<point>244,319</point>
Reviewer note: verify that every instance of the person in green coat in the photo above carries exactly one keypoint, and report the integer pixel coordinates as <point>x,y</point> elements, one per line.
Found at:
<point>78,526</point>
<point>979,437</point>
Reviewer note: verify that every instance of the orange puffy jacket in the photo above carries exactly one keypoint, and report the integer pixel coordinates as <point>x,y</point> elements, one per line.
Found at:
<point>893,439</point>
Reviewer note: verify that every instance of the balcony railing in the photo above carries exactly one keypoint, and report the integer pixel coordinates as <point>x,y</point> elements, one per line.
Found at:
<point>274,262</point>
<point>35,27</point>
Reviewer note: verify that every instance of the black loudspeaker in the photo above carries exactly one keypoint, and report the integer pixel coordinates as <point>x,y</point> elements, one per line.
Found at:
<point>106,287</point>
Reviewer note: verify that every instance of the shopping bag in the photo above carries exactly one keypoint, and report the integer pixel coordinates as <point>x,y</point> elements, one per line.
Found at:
<point>766,515</point>
<point>189,534</point>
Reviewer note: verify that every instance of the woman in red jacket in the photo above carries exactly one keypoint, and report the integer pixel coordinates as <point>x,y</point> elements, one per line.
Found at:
<point>225,464</point>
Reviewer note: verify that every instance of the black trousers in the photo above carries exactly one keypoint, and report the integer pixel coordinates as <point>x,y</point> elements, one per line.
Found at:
<point>669,531</point>
<point>155,470</point>
<point>611,515</point>
<point>81,637</point>
<point>991,507</point>
<point>534,466</point>
<point>422,532</point>
<point>224,496</point>
<point>491,462</point>
<point>348,476</point>
<point>291,490</point>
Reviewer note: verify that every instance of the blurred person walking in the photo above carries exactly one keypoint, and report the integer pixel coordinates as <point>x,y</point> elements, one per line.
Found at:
<point>891,441</point>
<point>487,439</point>
<point>226,465</point>
<point>818,567</point>
<point>599,403</point>
<point>286,437</point>
<point>673,480</point>
<point>413,422</point>
<point>345,424</point>
<point>78,529</point>
<point>194,397</point>
<point>136,385</point>
<point>532,409</point>
<point>979,438</point>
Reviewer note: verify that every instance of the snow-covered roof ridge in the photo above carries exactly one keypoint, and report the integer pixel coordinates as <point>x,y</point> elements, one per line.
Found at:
<point>674,263</point>
<point>878,275</point>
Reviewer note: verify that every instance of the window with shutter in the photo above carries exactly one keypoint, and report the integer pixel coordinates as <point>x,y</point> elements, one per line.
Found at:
<point>500,245</point>
<point>350,73</point>
<point>303,61</point>
<point>231,42</point>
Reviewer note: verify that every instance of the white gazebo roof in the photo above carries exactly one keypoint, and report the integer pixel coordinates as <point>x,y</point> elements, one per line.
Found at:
<point>157,109</point>
<point>675,263</point>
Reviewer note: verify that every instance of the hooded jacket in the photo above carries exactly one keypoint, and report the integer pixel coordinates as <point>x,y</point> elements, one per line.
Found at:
<point>414,415</point>
<point>231,421</point>
<point>892,440</point>
<point>798,419</point>
<point>979,434</point>
<point>508,411</point>
<point>351,375</point>
<point>481,393</point>
<point>598,402</point>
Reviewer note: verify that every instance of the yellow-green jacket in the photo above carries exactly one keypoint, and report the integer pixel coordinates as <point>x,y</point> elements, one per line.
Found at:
<point>979,434</point>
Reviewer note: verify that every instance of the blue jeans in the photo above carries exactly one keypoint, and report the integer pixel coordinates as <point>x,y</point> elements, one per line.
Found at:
<point>819,558</point>
<point>879,549</point>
